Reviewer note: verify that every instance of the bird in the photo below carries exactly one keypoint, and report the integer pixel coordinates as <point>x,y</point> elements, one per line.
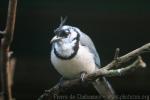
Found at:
<point>73,55</point>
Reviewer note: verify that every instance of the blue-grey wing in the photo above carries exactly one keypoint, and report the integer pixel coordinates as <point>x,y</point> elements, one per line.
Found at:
<point>86,41</point>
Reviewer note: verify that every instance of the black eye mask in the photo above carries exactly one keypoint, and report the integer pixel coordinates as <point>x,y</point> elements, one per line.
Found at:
<point>62,34</point>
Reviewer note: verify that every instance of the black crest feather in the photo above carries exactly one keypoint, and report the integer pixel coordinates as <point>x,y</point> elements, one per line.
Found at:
<point>62,22</point>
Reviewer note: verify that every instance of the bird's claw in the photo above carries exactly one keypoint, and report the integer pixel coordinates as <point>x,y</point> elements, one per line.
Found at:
<point>82,76</point>
<point>61,81</point>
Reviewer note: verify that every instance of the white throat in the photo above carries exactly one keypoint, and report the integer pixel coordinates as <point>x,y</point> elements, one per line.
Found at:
<point>64,49</point>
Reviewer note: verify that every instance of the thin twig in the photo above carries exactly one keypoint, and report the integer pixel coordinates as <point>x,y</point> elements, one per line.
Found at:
<point>139,63</point>
<point>117,53</point>
<point>129,56</point>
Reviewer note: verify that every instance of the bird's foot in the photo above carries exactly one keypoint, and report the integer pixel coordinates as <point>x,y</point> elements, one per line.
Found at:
<point>82,76</point>
<point>61,81</point>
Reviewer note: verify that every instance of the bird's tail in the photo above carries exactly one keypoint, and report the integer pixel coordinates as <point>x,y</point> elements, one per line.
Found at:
<point>104,89</point>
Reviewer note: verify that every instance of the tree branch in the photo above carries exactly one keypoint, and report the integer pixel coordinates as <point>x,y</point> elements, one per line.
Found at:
<point>2,32</point>
<point>5,49</point>
<point>129,56</point>
<point>106,71</point>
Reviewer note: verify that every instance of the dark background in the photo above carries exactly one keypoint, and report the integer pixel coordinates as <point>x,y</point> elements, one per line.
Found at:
<point>110,24</point>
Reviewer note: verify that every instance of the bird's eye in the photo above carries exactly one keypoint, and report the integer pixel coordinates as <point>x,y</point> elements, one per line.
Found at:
<point>63,34</point>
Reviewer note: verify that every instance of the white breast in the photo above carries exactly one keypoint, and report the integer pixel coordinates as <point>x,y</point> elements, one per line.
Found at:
<point>72,68</point>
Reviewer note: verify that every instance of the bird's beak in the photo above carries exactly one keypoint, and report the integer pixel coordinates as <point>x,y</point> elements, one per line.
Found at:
<point>55,39</point>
